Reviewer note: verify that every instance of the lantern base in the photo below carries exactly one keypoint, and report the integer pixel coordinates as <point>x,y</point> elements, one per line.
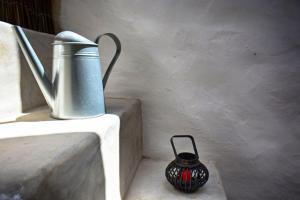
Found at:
<point>150,183</point>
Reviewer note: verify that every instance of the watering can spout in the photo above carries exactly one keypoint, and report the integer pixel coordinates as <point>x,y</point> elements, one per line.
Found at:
<point>35,66</point>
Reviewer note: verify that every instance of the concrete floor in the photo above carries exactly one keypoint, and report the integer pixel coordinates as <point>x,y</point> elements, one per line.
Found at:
<point>65,166</point>
<point>150,183</point>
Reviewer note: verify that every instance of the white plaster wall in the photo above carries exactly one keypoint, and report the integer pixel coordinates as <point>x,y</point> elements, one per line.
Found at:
<point>9,72</point>
<point>227,72</point>
<point>18,89</point>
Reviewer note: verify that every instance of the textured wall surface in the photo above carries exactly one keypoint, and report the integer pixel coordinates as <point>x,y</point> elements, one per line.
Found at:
<point>227,72</point>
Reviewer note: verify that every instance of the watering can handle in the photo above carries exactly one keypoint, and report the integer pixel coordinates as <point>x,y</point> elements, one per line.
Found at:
<point>184,136</point>
<point>114,59</point>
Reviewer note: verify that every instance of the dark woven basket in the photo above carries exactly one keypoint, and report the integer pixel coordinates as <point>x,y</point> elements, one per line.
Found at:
<point>186,173</point>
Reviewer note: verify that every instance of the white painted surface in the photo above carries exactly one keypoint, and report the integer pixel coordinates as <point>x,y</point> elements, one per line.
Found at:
<point>18,89</point>
<point>225,71</point>
<point>106,127</point>
<point>9,72</point>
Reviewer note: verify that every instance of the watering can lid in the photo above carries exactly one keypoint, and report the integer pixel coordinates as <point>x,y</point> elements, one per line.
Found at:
<point>70,37</point>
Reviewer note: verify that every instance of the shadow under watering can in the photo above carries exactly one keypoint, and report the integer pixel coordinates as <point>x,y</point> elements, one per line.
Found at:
<point>76,89</point>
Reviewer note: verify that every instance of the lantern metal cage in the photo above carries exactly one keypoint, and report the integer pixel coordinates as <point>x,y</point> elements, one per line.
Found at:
<point>186,173</point>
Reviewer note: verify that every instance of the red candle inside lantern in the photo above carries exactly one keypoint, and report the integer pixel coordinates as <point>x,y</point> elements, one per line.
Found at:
<point>185,175</point>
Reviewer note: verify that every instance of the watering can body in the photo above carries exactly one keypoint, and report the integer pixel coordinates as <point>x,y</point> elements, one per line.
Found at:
<point>76,88</point>
<point>77,80</point>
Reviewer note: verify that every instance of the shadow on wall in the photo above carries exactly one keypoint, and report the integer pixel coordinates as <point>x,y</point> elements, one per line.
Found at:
<point>31,94</point>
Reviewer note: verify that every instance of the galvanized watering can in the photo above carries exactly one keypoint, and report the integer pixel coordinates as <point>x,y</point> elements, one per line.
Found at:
<point>76,88</point>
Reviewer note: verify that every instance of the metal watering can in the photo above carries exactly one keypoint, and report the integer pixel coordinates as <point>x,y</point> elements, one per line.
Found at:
<point>76,88</point>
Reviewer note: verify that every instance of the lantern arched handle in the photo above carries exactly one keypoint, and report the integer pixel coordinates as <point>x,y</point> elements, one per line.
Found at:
<point>184,136</point>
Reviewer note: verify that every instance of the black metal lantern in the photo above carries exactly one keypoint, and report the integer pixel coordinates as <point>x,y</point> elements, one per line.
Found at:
<point>186,173</point>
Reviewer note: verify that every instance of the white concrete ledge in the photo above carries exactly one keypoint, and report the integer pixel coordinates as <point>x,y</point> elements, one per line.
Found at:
<point>106,127</point>
<point>130,136</point>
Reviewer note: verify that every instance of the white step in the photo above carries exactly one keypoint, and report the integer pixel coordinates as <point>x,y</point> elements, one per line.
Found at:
<point>130,149</point>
